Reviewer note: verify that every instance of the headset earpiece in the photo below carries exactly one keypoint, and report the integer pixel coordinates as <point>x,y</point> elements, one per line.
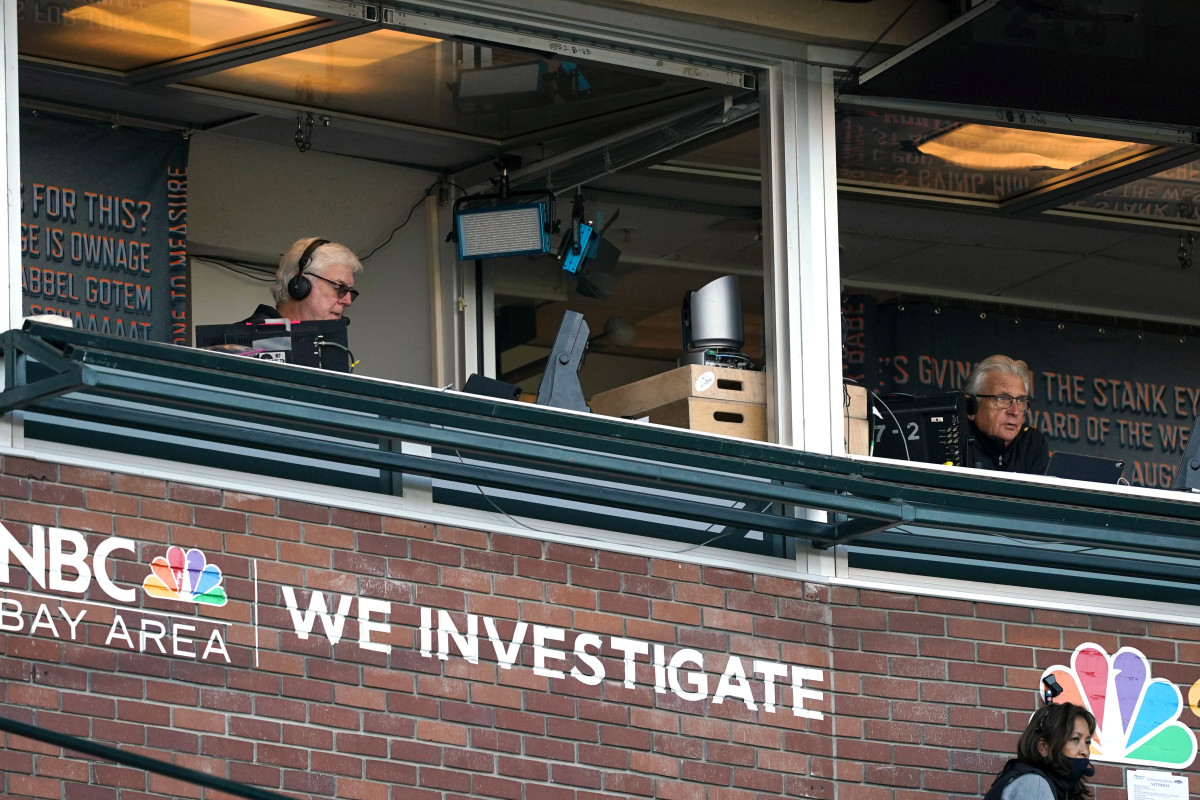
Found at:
<point>300,287</point>
<point>972,404</point>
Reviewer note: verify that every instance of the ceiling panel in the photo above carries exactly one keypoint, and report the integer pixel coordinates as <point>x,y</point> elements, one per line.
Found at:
<point>444,85</point>
<point>122,35</point>
<point>1109,59</point>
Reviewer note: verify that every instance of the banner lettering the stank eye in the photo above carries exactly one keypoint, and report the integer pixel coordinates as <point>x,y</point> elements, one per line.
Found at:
<point>1109,391</point>
<point>104,226</point>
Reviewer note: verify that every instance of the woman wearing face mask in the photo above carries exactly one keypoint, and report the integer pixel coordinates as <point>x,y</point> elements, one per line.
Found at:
<point>1052,757</point>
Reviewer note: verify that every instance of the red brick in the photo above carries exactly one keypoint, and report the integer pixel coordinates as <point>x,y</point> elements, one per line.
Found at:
<point>30,468</point>
<point>1007,613</point>
<point>382,545</point>
<point>975,629</point>
<point>57,495</point>
<point>306,512</point>
<point>448,534</point>
<point>34,513</point>
<point>356,520</point>
<point>165,510</point>
<point>112,503</point>
<point>82,476</point>
<point>219,519</point>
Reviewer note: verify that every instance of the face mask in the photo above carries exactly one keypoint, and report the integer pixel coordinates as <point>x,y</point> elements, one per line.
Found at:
<point>1081,768</point>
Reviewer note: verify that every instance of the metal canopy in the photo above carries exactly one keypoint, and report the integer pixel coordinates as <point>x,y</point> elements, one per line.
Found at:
<point>611,466</point>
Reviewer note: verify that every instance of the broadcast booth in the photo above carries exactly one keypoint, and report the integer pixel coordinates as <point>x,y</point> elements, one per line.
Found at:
<point>564,512</point>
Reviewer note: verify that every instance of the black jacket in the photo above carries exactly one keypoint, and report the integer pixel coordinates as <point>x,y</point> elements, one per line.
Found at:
<point>1015,769</point>
<point>1027,453</point>
<point>263,312</point>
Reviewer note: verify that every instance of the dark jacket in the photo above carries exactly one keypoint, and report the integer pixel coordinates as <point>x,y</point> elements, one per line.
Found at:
<point>1015,769</point>
<point>263,312</point>
<point>1027,453</point>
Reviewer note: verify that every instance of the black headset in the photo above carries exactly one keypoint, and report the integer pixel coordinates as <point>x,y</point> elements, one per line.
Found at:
<point>300,287</point>
<point>972,401</point>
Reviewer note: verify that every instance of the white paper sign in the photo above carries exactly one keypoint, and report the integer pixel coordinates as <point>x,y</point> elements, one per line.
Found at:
<point>1145,784</point>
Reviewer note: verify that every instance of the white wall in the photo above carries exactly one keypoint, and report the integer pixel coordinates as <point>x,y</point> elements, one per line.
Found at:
<point>250,201</point>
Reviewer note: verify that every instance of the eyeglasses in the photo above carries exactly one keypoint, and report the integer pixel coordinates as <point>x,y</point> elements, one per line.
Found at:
<point>1006,400</point>
<point>340,288</point>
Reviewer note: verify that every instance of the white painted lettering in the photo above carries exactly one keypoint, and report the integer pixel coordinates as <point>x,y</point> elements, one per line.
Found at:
<point>177,640</point>
<point>366,607</point>
<point>582,642</point>
<point>770,671</point>
<point>698,679</point>
<point>541,635</point>
<point>152,630</point>
<point>42,619</point>
<point>468,643</point>
<point>733,683</point>
<point>800,694</point>
<point>505,656</point>
<point>630,648</point>
<point>303,623</point>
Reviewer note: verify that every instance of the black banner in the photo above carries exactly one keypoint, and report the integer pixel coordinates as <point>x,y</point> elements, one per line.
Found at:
<point>104,226</point>
<point>1098,390</point>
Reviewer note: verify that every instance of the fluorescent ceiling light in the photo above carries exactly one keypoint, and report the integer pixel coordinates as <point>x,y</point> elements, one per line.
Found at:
<point>987,147</point>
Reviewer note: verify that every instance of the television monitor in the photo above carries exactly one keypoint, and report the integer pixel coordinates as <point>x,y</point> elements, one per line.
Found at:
<point>320,343</point>
<point>928,428</point>
<point>1187,475</point>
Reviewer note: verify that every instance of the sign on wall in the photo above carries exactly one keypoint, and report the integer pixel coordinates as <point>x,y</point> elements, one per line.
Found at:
<point>104,226</point>
<point>1097,390</point>
<point>1137,716</point>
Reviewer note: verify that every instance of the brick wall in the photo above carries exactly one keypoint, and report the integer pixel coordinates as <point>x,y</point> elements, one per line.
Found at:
<point>922,697</point>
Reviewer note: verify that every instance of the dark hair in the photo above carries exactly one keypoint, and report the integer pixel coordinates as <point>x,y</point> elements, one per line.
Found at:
<point>1054,724</point>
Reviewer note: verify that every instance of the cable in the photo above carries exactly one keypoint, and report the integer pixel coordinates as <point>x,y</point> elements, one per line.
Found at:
<point>246,270</point>
<point>326,343</point>
<point>899,427</point>
<point>518,522</point>
<point>853,69</point>
<point>395,230</point>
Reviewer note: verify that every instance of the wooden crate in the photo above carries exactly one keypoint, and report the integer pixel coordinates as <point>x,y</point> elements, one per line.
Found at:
<point>858,434</point>
<point>712,383</point>
<point>854,401</point>
<point>728,417</point>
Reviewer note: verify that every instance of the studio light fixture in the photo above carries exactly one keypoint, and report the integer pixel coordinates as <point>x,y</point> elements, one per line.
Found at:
<point>503,223</point>
<point>502,231</point>
<point>990,147</point>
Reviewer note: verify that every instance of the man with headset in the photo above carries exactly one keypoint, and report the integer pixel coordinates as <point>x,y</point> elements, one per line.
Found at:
<point>315,281</point>
<point>997,397</point>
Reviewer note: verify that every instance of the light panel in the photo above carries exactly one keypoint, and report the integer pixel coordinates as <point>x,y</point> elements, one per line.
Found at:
<point>988,147</point>
<point>504,231</point>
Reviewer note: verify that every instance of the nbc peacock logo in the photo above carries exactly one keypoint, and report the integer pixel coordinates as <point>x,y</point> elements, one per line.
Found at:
<point>1137,717</point>
<point>185,576</point>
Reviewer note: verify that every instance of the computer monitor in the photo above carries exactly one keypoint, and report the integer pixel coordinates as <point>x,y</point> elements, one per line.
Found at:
<point>319,343</point>
<point>928,428</point>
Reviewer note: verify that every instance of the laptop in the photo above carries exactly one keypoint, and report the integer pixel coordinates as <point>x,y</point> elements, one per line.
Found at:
<point>1077,467</point>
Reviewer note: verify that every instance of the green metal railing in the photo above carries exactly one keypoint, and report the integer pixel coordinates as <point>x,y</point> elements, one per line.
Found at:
<point>605,466</point>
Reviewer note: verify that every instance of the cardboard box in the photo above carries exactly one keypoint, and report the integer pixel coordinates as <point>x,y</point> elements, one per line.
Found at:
<point>858,435</point>
<point>728,417</point>
<point>854,401</point>
<point>713,383</point>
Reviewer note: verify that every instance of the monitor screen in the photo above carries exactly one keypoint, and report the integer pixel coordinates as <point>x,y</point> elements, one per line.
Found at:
<point>928,428</point>
<point>321,343</point>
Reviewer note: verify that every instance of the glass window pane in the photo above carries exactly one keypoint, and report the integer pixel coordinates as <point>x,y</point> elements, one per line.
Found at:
<point>446,85</point>
<point>119,35</point>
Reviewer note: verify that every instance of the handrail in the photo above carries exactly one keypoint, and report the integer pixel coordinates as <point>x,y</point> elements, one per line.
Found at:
<point>555,455</point>
<point>136,760</point>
